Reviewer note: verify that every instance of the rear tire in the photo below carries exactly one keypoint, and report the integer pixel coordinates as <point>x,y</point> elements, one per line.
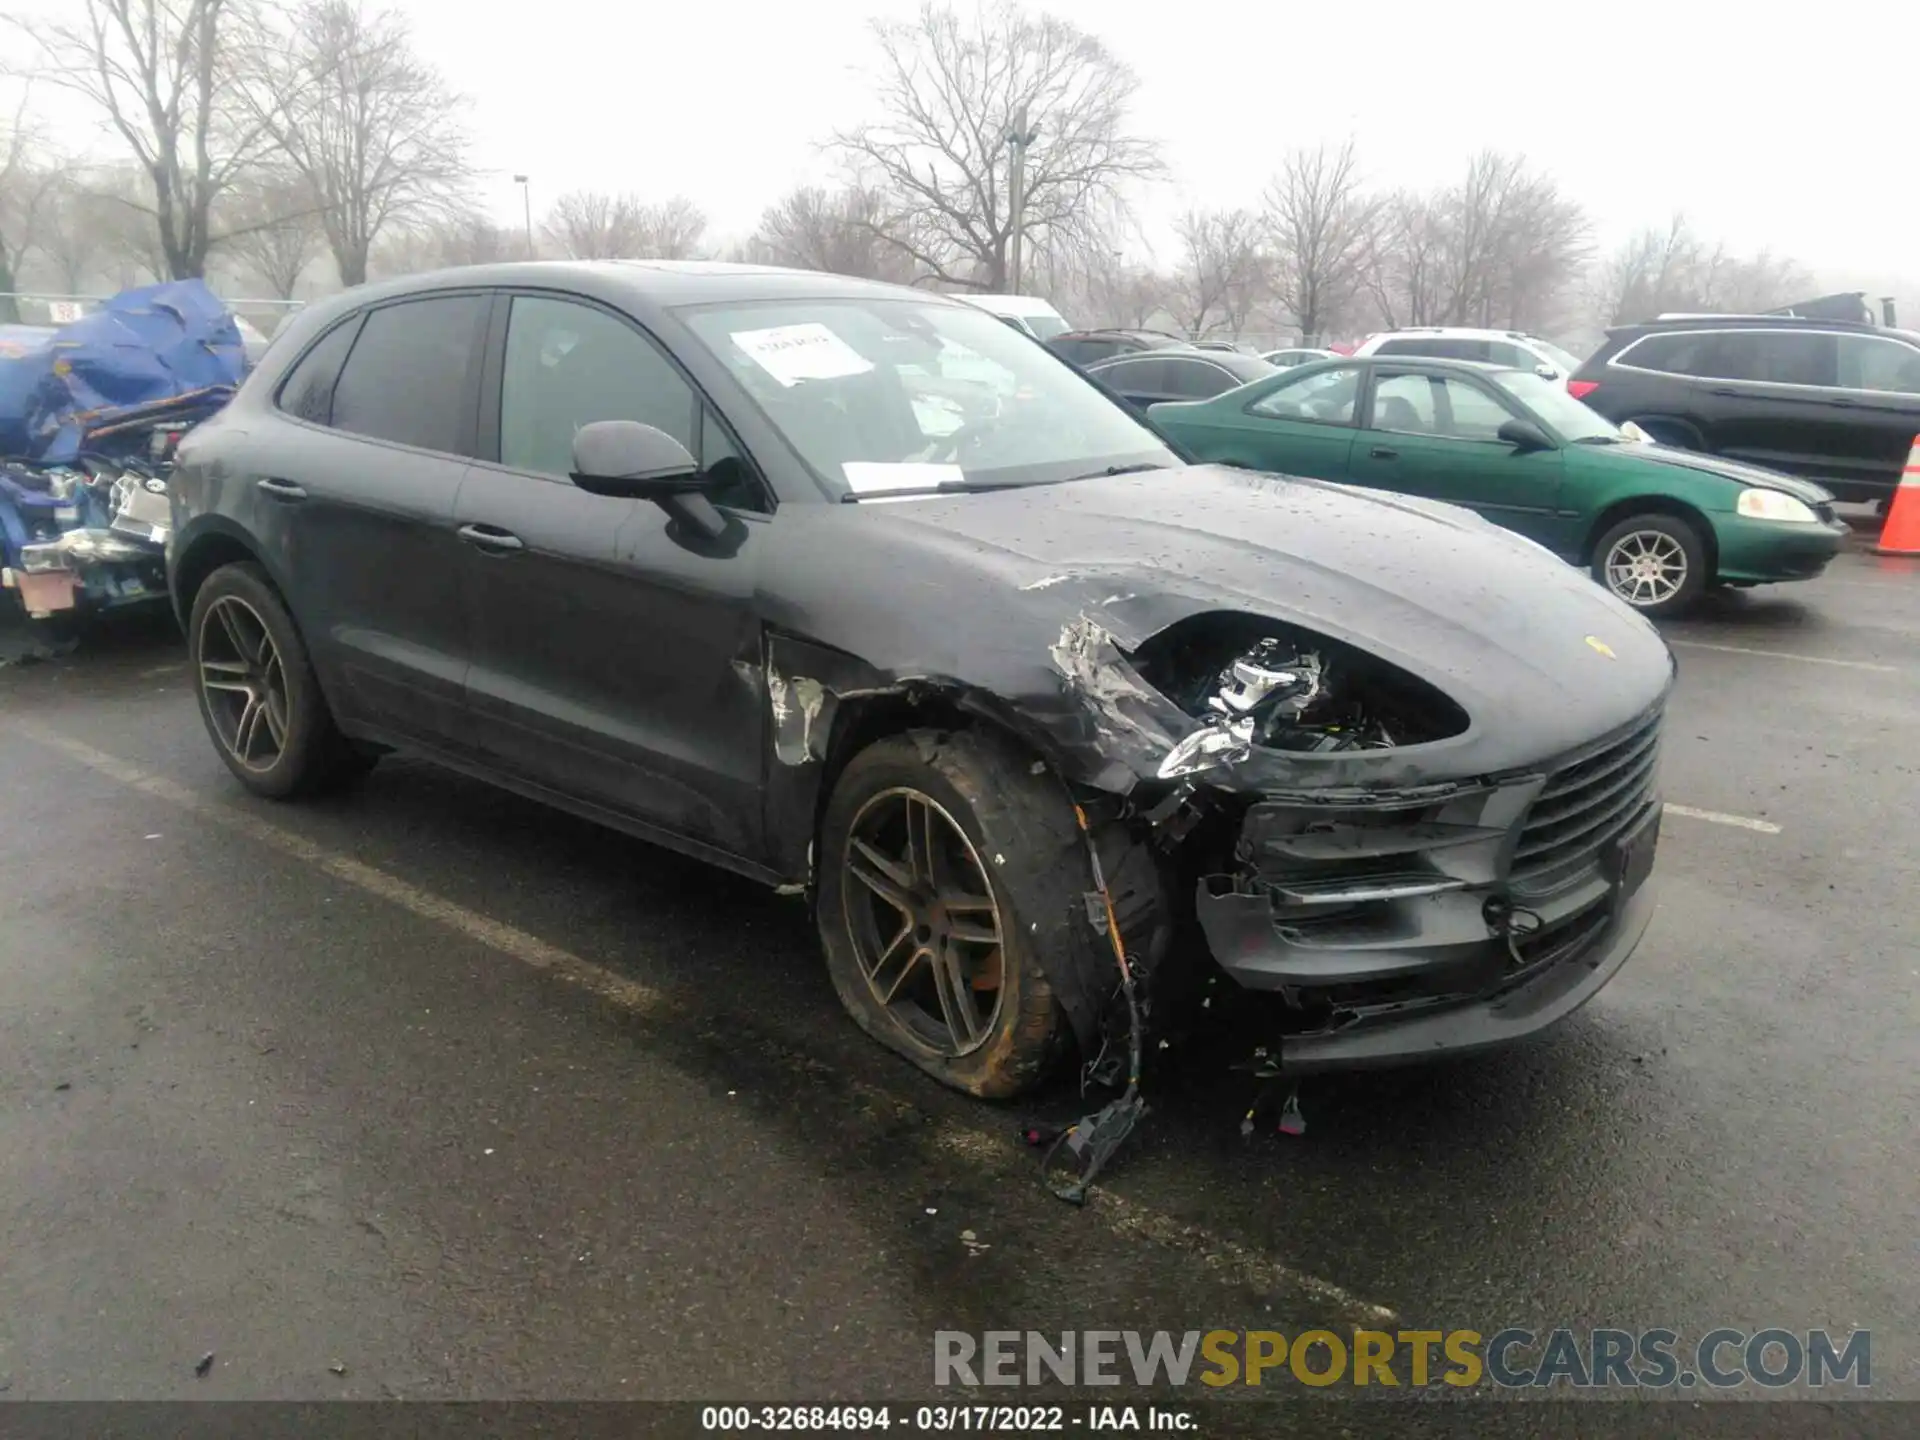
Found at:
<point>1657,563</point>
<point>259,698</point>
<point>1002,835</point>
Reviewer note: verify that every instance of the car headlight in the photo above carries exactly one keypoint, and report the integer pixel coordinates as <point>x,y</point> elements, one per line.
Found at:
<point>1775,505</point>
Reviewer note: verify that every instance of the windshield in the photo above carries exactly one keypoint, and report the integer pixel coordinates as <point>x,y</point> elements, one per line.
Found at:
<point>1561,360</point>
<point>1046,326</point>
<point>888,395</point>
<point>1549,399</point>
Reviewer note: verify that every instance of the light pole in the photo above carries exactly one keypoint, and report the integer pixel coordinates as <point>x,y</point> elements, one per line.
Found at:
<point>1019,137</point>
<point>526,200</point>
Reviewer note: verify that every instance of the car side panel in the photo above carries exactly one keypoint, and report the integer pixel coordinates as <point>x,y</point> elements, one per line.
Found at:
<point>1227,435</point>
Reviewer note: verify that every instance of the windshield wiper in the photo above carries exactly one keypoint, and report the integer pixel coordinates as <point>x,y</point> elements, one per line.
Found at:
<point>945,487</point>
<point>1118,470</point>
<point>1601,440</point>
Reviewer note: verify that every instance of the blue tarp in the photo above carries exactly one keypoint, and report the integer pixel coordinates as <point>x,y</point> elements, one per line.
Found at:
<point>142,346</point>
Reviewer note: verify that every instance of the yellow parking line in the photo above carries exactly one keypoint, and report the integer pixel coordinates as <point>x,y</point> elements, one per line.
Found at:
<point>1124,1218</point>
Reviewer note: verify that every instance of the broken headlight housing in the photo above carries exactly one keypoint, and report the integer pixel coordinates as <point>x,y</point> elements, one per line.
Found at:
<point>1256,683</point>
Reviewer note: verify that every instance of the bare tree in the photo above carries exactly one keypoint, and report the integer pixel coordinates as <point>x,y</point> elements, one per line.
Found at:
<point>362,120</point>
<point>1224,274</point>
<point>75,234</point>
<point>29,180</point>
<point>838,231</point>
<point>115,202</point>
<point>275,231</point>
<point>161,72</point>
<point>1672,269</point>
<point>1322,221</point>
<point>950,88</point>
<point>1511,243</point>
<point>673,229</point>
<point>595,225</point>
<point>1402,269</point>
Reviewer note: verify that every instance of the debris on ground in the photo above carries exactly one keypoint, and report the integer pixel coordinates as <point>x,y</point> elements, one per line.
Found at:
<point>338,1367</point>
<point>975,1245</point>
<point>204,1366</point>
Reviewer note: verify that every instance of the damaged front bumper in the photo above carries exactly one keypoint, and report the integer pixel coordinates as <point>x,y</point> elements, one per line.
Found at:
<point>1400,927</point>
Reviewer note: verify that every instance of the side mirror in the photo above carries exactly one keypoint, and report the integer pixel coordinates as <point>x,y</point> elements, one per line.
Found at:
<point>627,460</point>
<point>1524,435</point>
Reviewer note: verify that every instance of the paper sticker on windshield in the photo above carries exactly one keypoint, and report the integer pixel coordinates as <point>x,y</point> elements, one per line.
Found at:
<point>792,353</point>
<point>867,476</point>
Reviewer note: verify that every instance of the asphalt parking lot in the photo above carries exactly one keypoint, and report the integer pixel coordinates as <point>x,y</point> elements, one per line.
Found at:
<point>424,1091</point>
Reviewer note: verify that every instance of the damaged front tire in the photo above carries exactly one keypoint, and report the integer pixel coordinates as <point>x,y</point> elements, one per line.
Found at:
<point>946,866</point>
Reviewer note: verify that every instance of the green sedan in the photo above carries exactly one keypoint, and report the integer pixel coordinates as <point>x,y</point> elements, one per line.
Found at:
<point>1656,525</point>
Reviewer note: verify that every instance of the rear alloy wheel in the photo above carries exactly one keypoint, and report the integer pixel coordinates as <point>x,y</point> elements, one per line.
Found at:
<point>1656,563</point>
<point>258,694</point>
<point>946,865</point>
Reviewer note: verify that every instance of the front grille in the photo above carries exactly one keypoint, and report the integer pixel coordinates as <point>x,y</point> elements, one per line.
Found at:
<point>1588,803</point>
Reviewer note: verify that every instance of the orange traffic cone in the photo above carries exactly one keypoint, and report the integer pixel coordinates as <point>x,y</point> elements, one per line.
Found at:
<point>1901,534</point>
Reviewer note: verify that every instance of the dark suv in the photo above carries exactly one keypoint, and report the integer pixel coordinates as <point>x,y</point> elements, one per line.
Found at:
<point>1084,347</point>
<point>1833,400</point>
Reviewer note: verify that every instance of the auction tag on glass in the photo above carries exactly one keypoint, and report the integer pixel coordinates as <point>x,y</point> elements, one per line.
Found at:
<point>792,353</point>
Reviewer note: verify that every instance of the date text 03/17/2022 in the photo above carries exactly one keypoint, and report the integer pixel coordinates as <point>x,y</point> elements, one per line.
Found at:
<point>941,1419</point>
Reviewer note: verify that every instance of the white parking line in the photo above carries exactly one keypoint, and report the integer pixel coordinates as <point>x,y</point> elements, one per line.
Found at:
<point>1720,817</point>
<point>1786,655</point>
<point>1124,1218</point>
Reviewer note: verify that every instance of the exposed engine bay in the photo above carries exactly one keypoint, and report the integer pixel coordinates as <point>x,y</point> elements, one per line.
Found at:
<point>1258,685</point>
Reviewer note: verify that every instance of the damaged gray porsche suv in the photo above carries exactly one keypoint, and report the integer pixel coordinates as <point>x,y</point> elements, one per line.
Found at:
<point>858,592</point>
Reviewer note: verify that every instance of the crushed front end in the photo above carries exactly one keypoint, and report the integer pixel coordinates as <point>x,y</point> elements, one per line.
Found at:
<point>1401,913</point>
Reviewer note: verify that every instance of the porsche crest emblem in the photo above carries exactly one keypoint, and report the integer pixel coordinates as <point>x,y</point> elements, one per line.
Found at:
<point>1600,645</point>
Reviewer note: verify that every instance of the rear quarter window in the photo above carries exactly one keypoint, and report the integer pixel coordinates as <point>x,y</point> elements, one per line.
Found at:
<point>307,393</point>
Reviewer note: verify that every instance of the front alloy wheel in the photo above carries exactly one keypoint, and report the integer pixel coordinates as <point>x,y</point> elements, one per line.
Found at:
<point>950,879</point>
<point>925,927</point>
<point>1656,563</point>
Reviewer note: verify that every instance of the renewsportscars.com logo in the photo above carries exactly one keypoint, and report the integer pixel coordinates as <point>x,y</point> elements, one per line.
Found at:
<point>1509,1359</point>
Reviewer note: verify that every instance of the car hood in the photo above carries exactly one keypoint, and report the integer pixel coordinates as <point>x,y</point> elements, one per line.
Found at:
<point>1542,660</point>
<point>1738,471</point>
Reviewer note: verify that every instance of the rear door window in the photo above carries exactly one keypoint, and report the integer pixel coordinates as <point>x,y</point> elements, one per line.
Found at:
<point>1773,357</point>
<point>1145,376</point>
<point>411,376</point>
<point>1196,379</point>
<point>1439,347</point>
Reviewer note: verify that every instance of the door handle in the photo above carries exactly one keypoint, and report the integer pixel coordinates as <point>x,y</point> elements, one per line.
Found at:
<point>1841,402</point>
<point>276,488</point>
<point>1727,390</point>
<point>491,537</point>
<point>1383,452</point>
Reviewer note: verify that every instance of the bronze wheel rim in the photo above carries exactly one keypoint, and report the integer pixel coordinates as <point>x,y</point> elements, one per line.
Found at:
<point>925,925</point>
<point>243,683</point>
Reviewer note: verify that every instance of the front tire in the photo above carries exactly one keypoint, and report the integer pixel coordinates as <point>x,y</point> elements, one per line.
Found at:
<point>945,864</point>
<point>1657,563</point>
<point>259,697</point>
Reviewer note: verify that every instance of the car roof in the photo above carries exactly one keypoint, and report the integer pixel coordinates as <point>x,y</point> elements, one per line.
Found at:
<point>1455,332</point>
<point>1668,324</point>
<point>658,283</point>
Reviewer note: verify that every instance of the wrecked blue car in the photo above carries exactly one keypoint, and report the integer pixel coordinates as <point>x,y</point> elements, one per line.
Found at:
<point>89,415</point>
